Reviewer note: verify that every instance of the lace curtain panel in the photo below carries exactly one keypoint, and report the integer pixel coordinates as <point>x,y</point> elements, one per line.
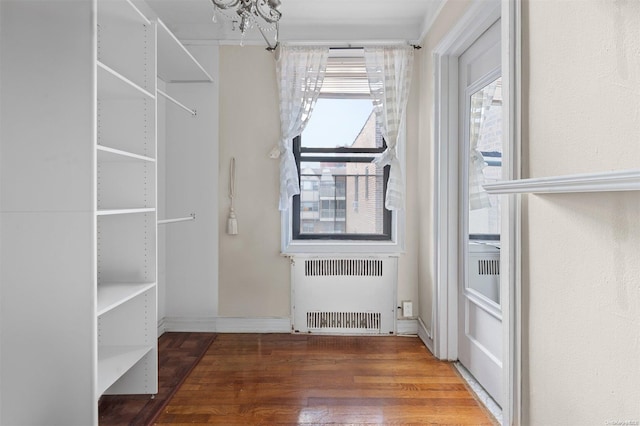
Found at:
<point>389,73</point>
<point>300,73</point>
<point>480,104</point>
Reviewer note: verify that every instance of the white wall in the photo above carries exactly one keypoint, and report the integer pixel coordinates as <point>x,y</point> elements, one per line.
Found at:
<point>254,277</point>
<point>191,183</point>
<point>448,16</point>
<point>581,251</point>
<point>408,262</point>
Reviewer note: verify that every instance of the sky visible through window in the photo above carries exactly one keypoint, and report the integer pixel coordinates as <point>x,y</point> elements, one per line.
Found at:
<point>347,116</point>
<point>342,194</point>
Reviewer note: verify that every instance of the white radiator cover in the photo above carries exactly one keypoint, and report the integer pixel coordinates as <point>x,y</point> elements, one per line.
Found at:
<point>344,295</point>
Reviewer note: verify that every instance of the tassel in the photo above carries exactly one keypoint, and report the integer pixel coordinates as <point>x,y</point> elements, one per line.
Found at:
<point>232,222</point>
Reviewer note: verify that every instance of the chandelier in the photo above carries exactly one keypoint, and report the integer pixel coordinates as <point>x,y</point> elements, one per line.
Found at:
<point>246,14</point>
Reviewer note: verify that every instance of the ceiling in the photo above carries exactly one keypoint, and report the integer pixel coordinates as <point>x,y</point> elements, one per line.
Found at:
<point>308,20</point>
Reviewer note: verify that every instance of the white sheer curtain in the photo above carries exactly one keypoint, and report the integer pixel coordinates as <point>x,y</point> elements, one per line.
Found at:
<point>389,73</point>
<point>300,73</point>
<point>480,104</point>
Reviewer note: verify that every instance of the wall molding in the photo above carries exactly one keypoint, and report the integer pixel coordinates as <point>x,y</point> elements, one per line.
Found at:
<point>189,324</point>
<point>224,325</point>
<point>430,19</point>
<point>161,327</point>
<point>425,335</point>
<point>623,180</point>
<point>261,325</point>
<point>406,326</point>
<point>253,325</point>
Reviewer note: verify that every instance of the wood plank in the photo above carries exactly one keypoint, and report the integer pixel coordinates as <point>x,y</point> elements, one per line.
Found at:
<point>301,379</point>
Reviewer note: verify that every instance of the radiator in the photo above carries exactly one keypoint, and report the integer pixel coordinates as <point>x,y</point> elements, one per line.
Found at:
<point>484,271</point>
<point>344,295</point>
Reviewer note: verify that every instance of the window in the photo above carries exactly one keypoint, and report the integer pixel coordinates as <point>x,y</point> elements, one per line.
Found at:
<point>484,223</point>
<point>334,156</point>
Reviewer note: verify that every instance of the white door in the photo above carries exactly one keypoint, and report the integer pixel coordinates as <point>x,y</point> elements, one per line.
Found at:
<point>480,160</point>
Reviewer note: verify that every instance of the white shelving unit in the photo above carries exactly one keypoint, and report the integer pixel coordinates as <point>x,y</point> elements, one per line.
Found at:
<point>115,361</point>
<point>106,154</point>
<point>175,63</point>
<point>78,207</point>
<point>126,201</point>
<point>112,295</point>
<point>177,102</point>
<point>113,85</point>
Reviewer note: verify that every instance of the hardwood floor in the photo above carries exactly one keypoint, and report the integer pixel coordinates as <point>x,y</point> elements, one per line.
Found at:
<point>282,379</point>
<point>178,353</point>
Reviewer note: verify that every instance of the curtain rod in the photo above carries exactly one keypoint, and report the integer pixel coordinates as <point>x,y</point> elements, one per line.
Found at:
<point>415,46</point>
<point>349,46</point>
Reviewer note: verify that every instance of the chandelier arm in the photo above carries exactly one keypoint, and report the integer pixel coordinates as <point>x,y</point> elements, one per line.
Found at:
<point>222,4</point>
<point>271,16</point>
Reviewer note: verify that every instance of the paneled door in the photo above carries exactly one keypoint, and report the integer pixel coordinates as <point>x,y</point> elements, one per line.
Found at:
<point>480,160</point>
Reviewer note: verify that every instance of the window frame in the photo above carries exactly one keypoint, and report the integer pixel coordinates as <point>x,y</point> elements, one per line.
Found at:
<point>317,155</point>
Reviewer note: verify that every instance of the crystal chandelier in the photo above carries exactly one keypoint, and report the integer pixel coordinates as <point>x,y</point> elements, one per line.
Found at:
<point>246,14</point>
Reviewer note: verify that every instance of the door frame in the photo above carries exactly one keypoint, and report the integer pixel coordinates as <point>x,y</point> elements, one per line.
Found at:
<point>480,15</point>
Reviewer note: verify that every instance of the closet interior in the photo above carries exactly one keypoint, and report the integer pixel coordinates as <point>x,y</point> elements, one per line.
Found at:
<point>82,196</point>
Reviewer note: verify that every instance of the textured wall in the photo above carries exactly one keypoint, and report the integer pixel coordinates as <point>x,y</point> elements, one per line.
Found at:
<point>449,15</point>
<point>581,251</point>
<point>254,278</point>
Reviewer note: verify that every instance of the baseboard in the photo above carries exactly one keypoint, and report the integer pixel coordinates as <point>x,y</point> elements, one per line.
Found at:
<point>425,335</point>
<point>267,325</point>
<point>161,327</point>
<point>406,326</point>
<point>190,324</point>
<point>253,325</point>
<point>224,325</point>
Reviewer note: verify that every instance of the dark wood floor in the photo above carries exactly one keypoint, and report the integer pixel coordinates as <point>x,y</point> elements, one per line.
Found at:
<point>281,379</point>
<point>178,353</point>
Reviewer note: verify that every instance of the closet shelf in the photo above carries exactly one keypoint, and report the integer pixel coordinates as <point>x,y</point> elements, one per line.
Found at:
<point>109,212</point>
<point>114,361</point>
<point>175,63</point>
<point>112,295</point>
<point>624,180</point>
<point>117,12</point>
<point>106,154</point>
<point>189,110</point>
<point>113,85</point>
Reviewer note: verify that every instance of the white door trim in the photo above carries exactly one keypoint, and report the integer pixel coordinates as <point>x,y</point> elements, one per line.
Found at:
<point>510,281</point>
<point>477,19</point>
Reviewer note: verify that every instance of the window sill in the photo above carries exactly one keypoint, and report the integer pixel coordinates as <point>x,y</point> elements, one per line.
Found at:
<point>394,247</point>
<point>343,247</point>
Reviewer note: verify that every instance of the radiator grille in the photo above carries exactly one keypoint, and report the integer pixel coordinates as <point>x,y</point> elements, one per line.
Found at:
<point>488,267</point>
<point>350,320</point>
<point>343,267</point>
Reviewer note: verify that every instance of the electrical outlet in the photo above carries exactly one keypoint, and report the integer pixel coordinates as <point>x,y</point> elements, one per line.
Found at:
<point>407,308</point>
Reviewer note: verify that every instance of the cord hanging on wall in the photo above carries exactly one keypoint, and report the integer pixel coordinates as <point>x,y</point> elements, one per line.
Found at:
<point>232,222</point>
